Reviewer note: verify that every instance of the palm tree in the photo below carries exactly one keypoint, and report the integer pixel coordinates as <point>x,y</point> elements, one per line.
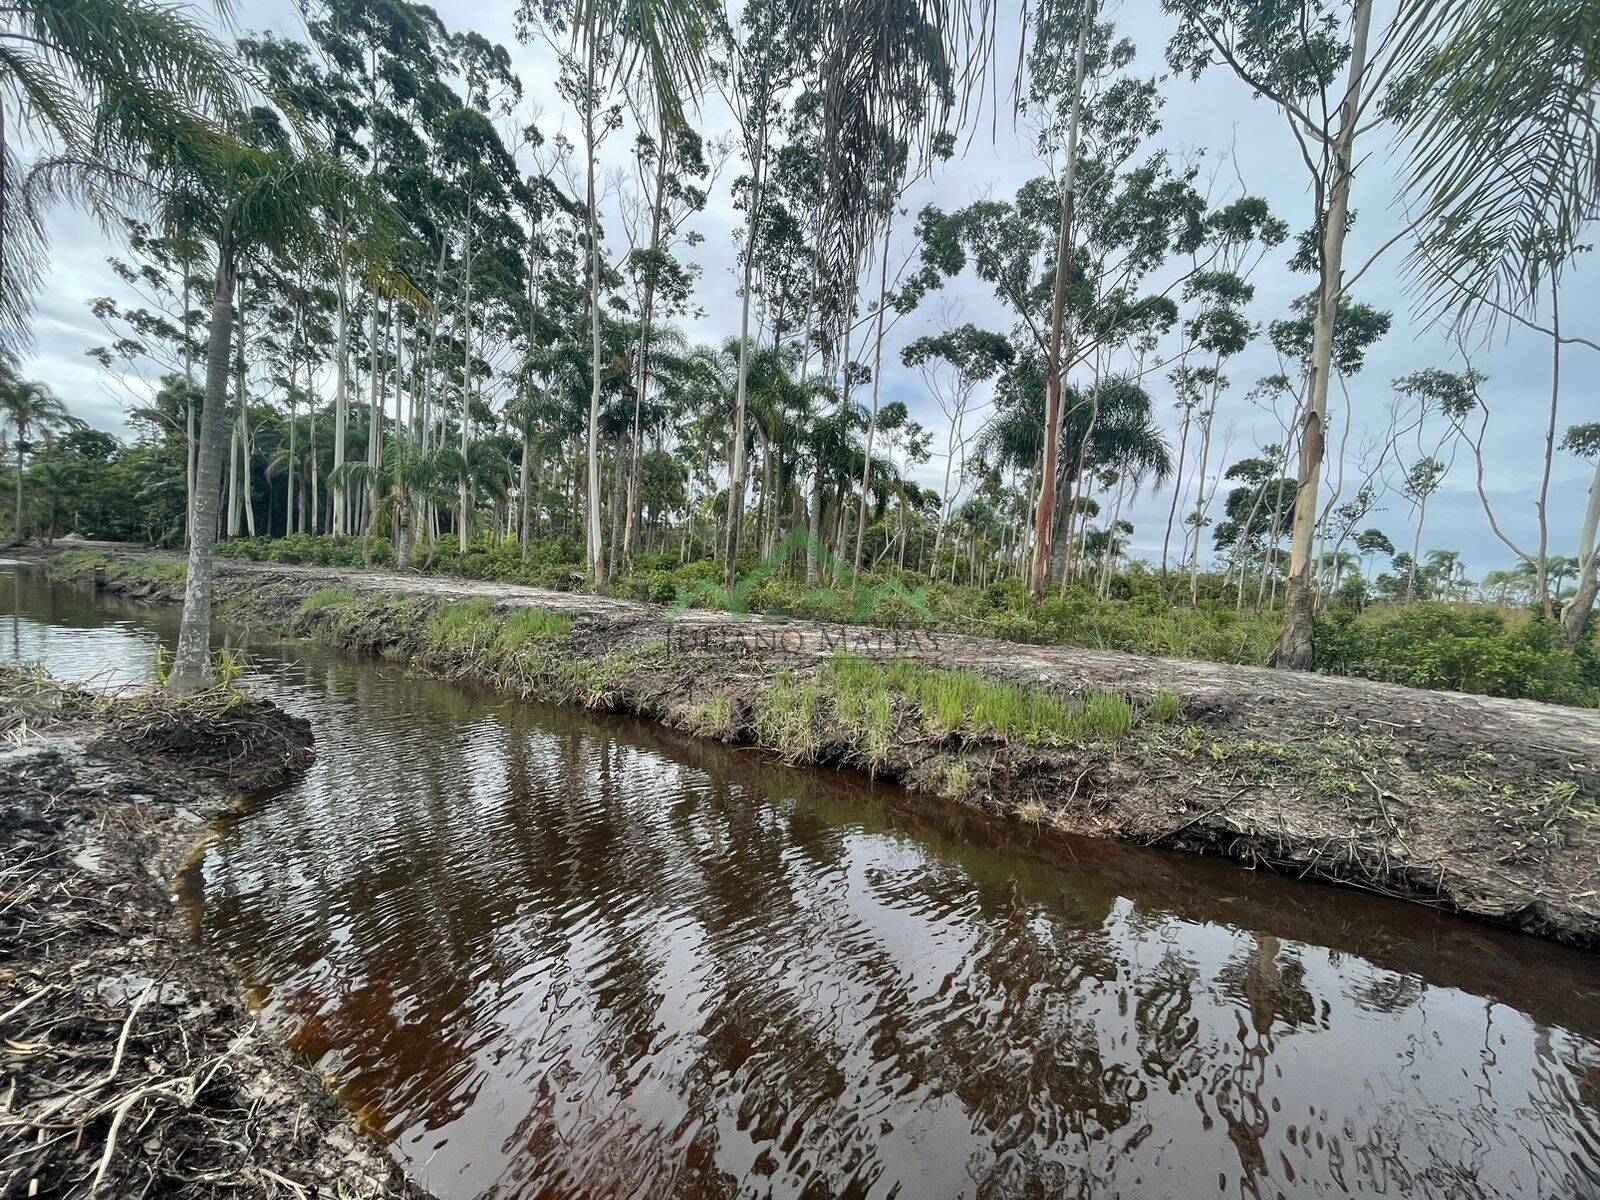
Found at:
<point>250,199</point>
<point>25,406</point>
<point>101,82</point>
<point>1111,427</point>
<point>405,479</point>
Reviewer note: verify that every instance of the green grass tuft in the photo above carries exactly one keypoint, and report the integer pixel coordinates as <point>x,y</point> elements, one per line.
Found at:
<point>1165,708</point>
<point>326,598</point>
<point>532,626</point>
<point>786,717</point>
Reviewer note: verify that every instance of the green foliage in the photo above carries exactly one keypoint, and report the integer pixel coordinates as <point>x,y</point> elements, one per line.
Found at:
<point>328,597</point>
<point>525,626</point>
<point>457,628</point>
<point>1166,708</point>
<point>786,717</point>
<point>1460,648</point>
<point>713,717</point>
<point>864,695</point>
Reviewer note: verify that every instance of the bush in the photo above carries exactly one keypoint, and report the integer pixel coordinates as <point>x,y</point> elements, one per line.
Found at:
<point>1457,648</point>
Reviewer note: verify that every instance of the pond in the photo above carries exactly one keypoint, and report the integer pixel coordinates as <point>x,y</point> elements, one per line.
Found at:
<point>543,953</point>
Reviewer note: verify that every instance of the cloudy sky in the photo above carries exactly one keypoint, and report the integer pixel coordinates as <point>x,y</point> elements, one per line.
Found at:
<point>1215,117</point>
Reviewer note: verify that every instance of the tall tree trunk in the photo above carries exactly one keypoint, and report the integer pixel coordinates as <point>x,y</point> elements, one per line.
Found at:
<point>464,496</point>
<point>1202,501</point>
<point>1177,488</point>
<point>524,500</point>
<point>18,527</point>
<point>595,547</point>
<point>191,663</point>
<point>341,382</point>
<point>737,466</point>
<point>1545,601</point>
<point>877,372</point>
<point>1044,512</point>
<point>646,312</point>
<point>1296,648</point>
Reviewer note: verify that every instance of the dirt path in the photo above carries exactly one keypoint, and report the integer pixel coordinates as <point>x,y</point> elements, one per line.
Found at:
<point>1487,807</point>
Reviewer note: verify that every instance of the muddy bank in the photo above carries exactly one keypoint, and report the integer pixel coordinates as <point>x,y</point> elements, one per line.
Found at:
<point>1486,807</point>
<point>132,1066</point>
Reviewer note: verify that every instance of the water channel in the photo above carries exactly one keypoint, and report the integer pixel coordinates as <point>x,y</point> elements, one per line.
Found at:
<point>544,953</point>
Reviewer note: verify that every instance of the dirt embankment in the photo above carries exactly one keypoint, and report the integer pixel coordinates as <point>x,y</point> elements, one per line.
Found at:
<point>1487,807</point>
<point>132,1068</point>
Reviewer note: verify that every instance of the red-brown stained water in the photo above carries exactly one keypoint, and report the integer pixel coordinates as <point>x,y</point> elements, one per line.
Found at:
<point>553,955</point>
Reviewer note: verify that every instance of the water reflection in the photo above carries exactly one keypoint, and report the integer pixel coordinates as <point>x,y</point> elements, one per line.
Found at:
<point>553,956</point>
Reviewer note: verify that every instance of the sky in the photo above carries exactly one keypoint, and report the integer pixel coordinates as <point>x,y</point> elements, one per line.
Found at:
<point>1214,120</point>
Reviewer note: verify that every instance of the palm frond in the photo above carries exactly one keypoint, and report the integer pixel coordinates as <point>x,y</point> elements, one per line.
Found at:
<point>1498,105</point>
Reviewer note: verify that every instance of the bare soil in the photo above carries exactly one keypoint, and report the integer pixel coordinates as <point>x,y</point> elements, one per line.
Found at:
<point>132,1068</point>
<point>1485,807</point>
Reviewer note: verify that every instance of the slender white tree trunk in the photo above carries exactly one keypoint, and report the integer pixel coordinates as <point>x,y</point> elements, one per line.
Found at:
<point>341,415</point>
<point>877,374</point>
<point>1044,509</point>
<point>737,467</point>
<point>1295,645</point>
<point>597,562</point>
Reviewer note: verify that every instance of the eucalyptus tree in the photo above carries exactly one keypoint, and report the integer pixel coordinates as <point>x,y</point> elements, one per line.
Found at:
<point>674,173</point>
<point>1056,359</point>
<point>611,43</point>
<point>1295,340</point>
<point>1433,392</point>
<point>368,45</point>
<point>1294,54</point>
<point>163,330</point>
<point>1370,542</point>
<point>771,48</point>
<point>954,364</point>
<point>1254,516</point>
<point>1133,212</point>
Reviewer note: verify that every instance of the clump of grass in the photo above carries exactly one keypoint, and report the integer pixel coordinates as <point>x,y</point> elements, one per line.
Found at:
<point>713,717</point>
<point>74,562</point>
<point>786,717</point>
<point>456,628</point>
<point>1032,812</point>
<point>1165,708</point>
<point>598,682</point>
<point>1101,716</point>
<point>962,702</point>
<point>523,627</point>
<point>860,693</point>
<point>946,699</point>
<point>160,572</point>
<point>326,598</point>
<point>958,781</point>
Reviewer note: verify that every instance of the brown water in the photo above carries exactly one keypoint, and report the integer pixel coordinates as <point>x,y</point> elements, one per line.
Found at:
<point>552,955</point>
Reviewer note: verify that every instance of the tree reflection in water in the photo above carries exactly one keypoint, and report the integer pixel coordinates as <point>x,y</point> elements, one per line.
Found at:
<point>549,955</point>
